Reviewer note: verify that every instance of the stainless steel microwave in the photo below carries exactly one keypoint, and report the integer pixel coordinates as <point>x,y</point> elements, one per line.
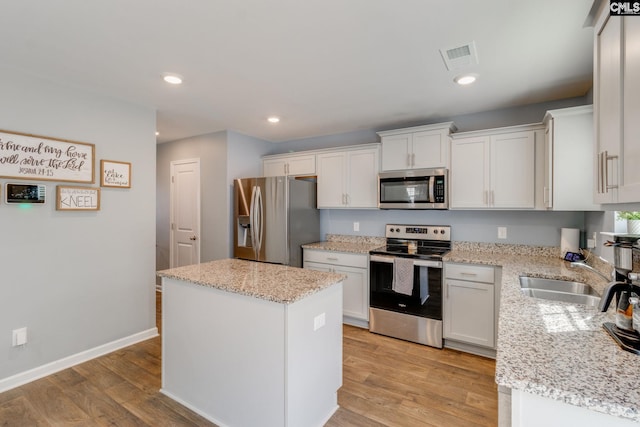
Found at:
<point>414,189</point>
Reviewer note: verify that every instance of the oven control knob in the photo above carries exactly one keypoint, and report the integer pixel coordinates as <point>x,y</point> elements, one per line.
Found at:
<point>397,230</point>
<point>441,231</point>
<point>435,231</point>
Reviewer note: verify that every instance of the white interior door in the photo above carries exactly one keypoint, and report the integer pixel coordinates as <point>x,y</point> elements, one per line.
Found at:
<point>185,212</point>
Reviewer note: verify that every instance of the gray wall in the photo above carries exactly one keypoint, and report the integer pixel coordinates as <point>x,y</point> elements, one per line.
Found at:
<point>77,280</point>
<point>523,227</point>
<point>223,156</point>
<point>532,113</point>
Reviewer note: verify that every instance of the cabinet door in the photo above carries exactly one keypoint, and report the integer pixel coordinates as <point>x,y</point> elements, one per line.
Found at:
<point>469,312</point>
<point>547,190</point>
<point>395,152</point>
<point>331,180</point>
<point>629,190</point>
<point>607,106</point>
<point>274,167</point>
<point>513,170</point>
<point>355,301</point>
<point>469,177</point>
<point>362,179</point>
<point>429,150</point>
<point>301,165</point>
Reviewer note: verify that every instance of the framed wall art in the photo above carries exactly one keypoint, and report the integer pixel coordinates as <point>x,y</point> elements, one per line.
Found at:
<point>71,198</point>
<point>115,174</point>
<point>41,158</point>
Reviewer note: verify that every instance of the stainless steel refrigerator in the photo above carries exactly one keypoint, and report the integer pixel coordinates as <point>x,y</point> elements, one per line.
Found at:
<point>273,217</point>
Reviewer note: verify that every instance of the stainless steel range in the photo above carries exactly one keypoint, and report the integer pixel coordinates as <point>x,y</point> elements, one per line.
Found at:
<point>406,283</point>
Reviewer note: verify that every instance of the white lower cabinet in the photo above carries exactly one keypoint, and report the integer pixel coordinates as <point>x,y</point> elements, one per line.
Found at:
<point>470,306</point>
<point>355,287</point>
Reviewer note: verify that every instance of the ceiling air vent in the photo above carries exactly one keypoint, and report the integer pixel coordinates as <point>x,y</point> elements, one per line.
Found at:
<point>459,56</point>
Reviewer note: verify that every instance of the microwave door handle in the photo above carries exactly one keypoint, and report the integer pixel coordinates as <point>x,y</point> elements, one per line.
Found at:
<point>432,181</point>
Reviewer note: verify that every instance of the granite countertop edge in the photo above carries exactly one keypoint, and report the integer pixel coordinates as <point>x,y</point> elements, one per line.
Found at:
<point>270,282</point>
<point>558,350</point>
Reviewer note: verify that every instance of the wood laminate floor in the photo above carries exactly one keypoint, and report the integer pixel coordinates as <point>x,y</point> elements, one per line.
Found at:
<point>387,382</point>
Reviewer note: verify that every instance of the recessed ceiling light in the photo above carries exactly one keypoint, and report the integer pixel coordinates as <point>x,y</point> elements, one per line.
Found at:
<point>174,79</point>
<point>465,79</point>
<point>157,133</point>
<point>273,119</point>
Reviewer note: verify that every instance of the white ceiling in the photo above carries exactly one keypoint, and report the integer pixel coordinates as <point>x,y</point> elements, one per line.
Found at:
<point>323,66</point>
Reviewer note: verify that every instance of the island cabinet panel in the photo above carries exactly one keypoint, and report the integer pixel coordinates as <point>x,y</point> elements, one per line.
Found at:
<point>244,361</point>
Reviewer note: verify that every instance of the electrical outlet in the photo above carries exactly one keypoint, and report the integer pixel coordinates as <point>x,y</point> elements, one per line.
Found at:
<point>19,337</point>
<point>319,321</point>
<point>356,226</point>
<point>591,243</point>
<point>502,232</point>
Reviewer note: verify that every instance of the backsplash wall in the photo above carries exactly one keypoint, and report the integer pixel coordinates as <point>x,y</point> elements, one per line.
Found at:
<point>538,228</point>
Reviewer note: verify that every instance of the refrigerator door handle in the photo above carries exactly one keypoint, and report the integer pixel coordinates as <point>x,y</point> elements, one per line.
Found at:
<point>260,220</point>
<point>252,220</point>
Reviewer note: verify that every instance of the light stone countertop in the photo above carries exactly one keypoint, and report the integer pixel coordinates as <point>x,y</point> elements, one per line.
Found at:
<point>345,243</point>
<point>271,282</point>
<point>558,350</point>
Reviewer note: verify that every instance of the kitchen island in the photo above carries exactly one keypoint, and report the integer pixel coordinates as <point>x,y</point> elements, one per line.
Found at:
<point>247,343</point>
<point>560,366</point>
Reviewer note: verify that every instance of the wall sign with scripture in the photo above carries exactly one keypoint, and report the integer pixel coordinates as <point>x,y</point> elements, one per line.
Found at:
<point>70,198</point>
<point>41,158</point>
<point>115,174</point>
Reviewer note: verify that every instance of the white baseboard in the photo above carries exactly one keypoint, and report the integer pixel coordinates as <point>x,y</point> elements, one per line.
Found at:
<point>193,408</point>
<point>75,359</point>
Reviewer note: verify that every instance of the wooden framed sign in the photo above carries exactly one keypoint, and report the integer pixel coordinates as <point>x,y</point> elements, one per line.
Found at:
<point>115,174</point>
<point>41,158</point>
<point>70,198</point>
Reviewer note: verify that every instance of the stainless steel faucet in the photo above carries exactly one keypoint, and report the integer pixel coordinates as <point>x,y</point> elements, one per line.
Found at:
<point>588,267</point>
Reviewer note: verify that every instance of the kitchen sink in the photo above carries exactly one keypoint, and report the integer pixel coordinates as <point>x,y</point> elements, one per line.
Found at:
<point>559,290</point>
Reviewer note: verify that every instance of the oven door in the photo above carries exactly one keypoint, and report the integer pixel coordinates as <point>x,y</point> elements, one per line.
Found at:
<point>427,281</point>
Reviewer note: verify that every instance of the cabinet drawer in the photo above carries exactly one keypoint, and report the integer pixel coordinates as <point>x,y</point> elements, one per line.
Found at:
<point>336,258</point>
<point>476,273</point>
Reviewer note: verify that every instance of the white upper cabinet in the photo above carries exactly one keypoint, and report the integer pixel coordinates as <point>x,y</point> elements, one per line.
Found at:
<point>293,165</point>
<point>348,178</point>
<point>495,168</point>
<point>416,147</point>
<point>568,160</point>
<point>616,108</point>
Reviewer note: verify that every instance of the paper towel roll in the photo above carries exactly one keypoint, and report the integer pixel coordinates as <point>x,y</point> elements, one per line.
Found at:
<point>569,240</point>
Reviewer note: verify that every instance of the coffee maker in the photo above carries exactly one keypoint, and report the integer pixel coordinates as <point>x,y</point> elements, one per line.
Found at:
<point>626,288</point>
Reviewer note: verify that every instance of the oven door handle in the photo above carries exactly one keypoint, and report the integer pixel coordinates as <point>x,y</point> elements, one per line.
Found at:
<point>418,262</point>
<point>381,258</point>
<point>427,263</point>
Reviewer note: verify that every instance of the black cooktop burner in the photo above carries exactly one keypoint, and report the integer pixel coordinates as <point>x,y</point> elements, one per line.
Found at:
<point>416,241</point>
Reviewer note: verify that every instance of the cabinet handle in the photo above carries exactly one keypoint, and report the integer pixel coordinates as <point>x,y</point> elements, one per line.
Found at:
<point>492,198</point>
<point>600,176</point>
<point>607,157</point>
<point>409,160</point>
<point>464,273</point>
<point>347,197</point>
<point>413,159</point>
<point>331,258</point>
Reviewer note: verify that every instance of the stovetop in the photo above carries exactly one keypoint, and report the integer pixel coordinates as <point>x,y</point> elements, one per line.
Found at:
<point>416,241</point>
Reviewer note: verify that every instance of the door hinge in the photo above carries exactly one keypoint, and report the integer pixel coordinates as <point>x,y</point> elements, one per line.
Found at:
<point>173,179</point>
<point>173,226</point>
